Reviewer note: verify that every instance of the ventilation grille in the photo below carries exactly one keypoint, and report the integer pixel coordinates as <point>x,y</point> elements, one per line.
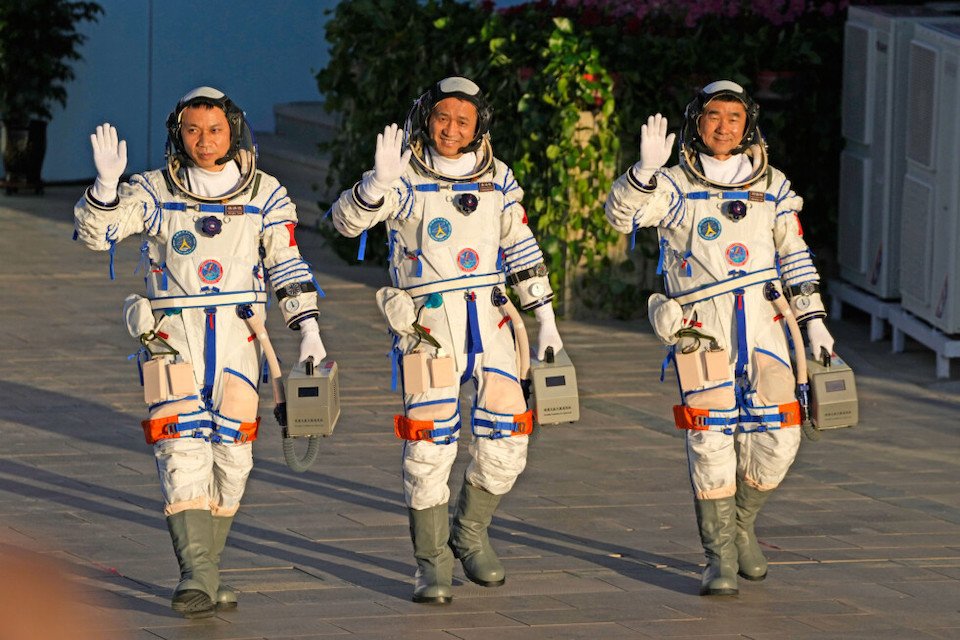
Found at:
<point>857,102</point>
<point>921,115</point>
<point>851,234</point>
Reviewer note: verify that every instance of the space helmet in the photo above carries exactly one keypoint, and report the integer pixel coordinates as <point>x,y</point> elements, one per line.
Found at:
<point>242,149</point>
<point>417,125</point>
<point>752,142</point>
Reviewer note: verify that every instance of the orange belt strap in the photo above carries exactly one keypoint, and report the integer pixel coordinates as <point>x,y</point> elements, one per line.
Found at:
<point>160,429</point>
<point>689,418</point>
<point>524,422</point>
<point>791,414</point>
<point>407,429</point>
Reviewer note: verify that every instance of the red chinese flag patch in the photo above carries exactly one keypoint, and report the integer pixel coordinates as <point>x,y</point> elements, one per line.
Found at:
<point>290,227</point>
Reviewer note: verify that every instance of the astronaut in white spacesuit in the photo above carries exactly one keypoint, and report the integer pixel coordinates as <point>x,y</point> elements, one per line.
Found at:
<point>214,231</point>
<point>457,235</point>
<point>730,242</point>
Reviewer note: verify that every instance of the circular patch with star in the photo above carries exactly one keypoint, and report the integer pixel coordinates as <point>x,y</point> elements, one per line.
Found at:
<point>468,259</point>
<point>183,242</point>
<point>210,271</point>
<point>439,229</point>
<point>737,254</point>
<point>709,228</point>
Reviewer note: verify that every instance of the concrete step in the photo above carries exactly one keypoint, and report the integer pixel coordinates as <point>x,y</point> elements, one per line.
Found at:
<point>302,173</point>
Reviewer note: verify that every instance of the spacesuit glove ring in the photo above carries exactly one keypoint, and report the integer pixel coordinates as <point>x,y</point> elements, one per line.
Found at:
<point>110,159</point>
<point>310,343</point>
<point>390,160</point>
<point>655,144</point>
<point>548,335</point>
<point>818,337</point>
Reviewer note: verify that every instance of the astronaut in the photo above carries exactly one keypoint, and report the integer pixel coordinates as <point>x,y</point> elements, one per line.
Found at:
<point>457,235</point>
<point>214,230</point>
<point>728,225</point>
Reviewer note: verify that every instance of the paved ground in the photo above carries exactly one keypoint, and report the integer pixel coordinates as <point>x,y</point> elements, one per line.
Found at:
<point>598,537</point>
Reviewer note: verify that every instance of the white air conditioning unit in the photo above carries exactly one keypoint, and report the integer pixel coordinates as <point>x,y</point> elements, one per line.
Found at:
<point>872,165</point>
<point>930,224</point>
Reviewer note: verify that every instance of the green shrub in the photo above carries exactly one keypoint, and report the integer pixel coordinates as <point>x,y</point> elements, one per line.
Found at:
<point>542,64</point>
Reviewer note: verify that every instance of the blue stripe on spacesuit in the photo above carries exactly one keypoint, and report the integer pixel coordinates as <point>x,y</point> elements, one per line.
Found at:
<point>687,394</point>
<point>156,218</point>
<point>241,376</point>
<point>474,341</point>
<point>677,204</point>
<point>457,186</point>
<point>362,249</point>
<point>288,270</point>
<point>520,246</point>
<point>205,207</point>
<point>726,195</point>
<point>742,355</point>
<point>431,403</point>
<point>269,203</point>
<point>468,369</point>
<point>787,212</point>
<point>502,373</point>
<point>160,404</point>
<point>407,201</point>
<point>209,355</point>
<point>774,356</point>
<point>512,186</point>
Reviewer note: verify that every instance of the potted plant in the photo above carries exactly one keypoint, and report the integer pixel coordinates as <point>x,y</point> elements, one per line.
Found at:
<point>38,43</point>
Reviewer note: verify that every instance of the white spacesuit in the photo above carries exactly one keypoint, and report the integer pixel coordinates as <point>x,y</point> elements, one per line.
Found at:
<point>728,225</point>
<point>457,236</point>
<point>214,231</point>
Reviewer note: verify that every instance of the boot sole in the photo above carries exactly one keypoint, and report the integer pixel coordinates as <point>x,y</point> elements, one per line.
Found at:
<point>751,578</point>
<point>486,583</point>
<point>719,592</point>
<point>433,599</point>
<point>196,604</point>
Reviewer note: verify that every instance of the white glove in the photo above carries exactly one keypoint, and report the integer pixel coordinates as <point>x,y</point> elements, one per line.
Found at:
<point>388,164</point>
<point>548,336</point>
<point>110,158</point>
<point>310,343</point>
<point>655,147</point>
<point>818,336</point>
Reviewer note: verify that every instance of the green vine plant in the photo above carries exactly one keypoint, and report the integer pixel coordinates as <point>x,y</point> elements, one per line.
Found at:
<point>568,165</point>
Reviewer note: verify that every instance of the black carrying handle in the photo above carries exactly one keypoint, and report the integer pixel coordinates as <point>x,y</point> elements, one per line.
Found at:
<point>825,357</point>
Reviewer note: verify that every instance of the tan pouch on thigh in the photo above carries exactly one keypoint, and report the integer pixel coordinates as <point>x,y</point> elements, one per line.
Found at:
<point>240,400</point>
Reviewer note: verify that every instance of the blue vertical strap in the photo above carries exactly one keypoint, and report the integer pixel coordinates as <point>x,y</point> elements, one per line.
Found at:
<point>474,341</point>
<point>633,237</point>
<point>320,292</point>
<point>663,251</point>
<point>144,262</point>
<point>741,333</point>
<point>164,283</point>
<point>468,370</point>
<point>113,253</point>
<point>265,372</point>
<point>394,356</point>
<point>76,234</point>
<point>209,355</point>
<point>671,355</point>
<point>415,256</point>
<point>362,251</point>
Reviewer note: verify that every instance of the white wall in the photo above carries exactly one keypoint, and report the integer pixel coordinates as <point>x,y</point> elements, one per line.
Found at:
<point>142,55</point>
